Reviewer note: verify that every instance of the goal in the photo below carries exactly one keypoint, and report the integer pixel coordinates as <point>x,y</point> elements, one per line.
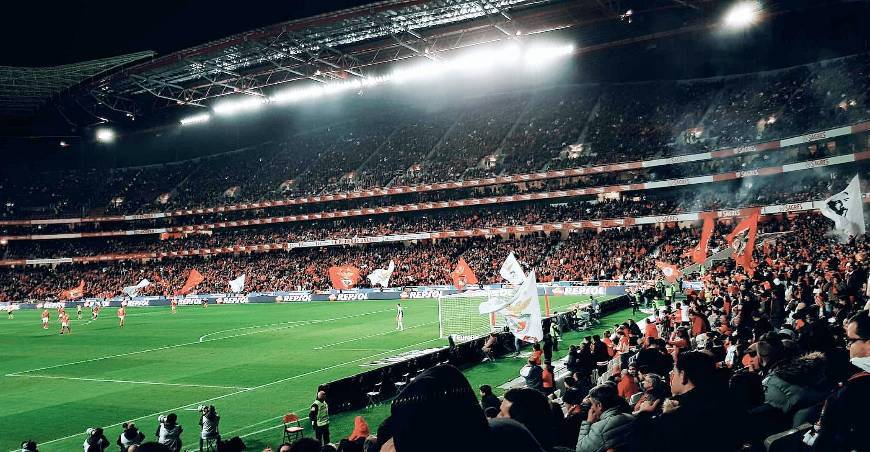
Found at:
<point>459,315</point>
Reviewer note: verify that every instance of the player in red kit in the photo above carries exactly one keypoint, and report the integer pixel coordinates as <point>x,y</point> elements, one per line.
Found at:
<point>45,317</point>
<point>122,314</point>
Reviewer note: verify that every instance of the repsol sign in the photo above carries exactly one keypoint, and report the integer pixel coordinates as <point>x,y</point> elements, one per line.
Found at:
<point>293,297</point>
<point>350,296</point>
<point>421,294</point>
<point>137,303</point>
<point>232,300</point>
<point>190,301</point>
<point>585,290</point>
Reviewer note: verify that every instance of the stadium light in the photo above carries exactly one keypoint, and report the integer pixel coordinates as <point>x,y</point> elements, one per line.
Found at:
<point>195,119</point>
<point>545,54</point>
<point>742,15</point>
<point>105,135</point>
<point>231,107</point>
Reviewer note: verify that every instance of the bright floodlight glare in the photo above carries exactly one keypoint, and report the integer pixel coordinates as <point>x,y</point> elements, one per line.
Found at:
<point>105,135</point>
<point>742,15</point>
<point>195,119</point>
<point>231,107</point>
<point>540,55</point>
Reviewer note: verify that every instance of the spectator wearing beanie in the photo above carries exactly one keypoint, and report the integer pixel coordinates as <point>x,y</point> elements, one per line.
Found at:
<point>844,422</point>
<point>607,425</point>
<point>692,418</point>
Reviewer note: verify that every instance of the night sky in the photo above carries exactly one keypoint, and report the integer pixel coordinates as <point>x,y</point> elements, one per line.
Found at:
<point>37,33</point>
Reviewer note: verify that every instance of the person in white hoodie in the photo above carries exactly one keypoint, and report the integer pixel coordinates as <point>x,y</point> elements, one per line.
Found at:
<point>169,432</point>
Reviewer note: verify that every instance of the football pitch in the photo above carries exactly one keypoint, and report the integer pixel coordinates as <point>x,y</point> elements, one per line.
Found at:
<point>253,362</point>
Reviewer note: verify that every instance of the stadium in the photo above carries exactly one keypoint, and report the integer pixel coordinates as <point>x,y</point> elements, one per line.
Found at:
<point>428,225</point>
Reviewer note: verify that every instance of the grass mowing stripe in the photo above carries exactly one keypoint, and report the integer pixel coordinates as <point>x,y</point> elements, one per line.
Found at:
<point>182,407</point>
<point>166,347</point>
<point>373,335</point>
<point>60,377</point>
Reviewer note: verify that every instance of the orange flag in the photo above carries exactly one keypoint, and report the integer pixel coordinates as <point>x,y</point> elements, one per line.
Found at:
<point>742,242</point>
<point>699,253</point>
<point>671,272</point>
<point>463,275</point>
<point>74,293</point>
<point>344,277</point>
<point>193,279</point>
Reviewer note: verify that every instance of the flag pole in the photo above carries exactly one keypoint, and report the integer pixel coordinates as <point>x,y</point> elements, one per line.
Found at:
<point>547,303</point>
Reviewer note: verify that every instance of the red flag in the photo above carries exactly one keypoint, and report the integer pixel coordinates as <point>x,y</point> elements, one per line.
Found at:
<point>463,275</point>
<point>344,277</point>
<point>193,279</point>
<point>699,253</point>
<point>742,242</point>
<point>74,293</point>
<point>671,272</point>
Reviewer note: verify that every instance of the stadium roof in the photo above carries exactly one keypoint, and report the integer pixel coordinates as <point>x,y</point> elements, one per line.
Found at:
<point>337,45</point>
<point>23,90</point>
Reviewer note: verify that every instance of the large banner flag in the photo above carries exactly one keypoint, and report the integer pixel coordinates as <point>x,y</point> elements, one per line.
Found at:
<point>344,277</point>
<point>523,314</point>
<point>699,253</point>
<point>74,293</point>
<point>238,285</point>
<point>193,279</point>
<point>132,291</point>
<point>846,209</point>
<point>381,276</point>
<point>670,271</point>
<point>512,271</point>
<point>462,275</point>
<point>742,242</point>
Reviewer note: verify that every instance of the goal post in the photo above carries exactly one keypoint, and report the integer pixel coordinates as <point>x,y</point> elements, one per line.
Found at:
<point>459,315</point>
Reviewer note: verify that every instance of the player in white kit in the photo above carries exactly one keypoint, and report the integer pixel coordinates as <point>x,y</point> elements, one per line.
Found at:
<point>400,318</point>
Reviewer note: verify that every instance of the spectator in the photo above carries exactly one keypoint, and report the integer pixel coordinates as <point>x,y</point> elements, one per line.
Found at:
<point>607,425</point>
<point>692,416</point>
<point>488,399</point>
<point>533,374</point>
<point>532,409</point>
<point>844,421</point>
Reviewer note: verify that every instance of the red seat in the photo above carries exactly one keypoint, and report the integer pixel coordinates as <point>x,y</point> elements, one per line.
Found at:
<point>293,429</point>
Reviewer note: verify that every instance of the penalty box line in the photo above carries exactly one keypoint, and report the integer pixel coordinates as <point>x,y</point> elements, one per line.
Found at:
<point>242,391</point>
<point>184,344</point>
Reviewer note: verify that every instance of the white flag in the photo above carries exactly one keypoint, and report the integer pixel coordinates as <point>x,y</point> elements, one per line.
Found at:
<point>523,314</point>
<point>382,275</point>
<point>512,271</point>
<point>238,285</point>
<point>846,209</point>
<point>132,291</point>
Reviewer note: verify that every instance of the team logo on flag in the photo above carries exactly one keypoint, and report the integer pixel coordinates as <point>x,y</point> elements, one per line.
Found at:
<point>344,277</point>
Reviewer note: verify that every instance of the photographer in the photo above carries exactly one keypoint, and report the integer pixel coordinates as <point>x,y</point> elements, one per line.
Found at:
<point>209,425</point>
<point>96,441</point>
<point>130,435</point>
<point>169,432</point>
<point>607,424</point>
<point>29,446</point>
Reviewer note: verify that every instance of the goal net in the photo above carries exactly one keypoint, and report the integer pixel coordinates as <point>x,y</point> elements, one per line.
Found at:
<point>459,315</point>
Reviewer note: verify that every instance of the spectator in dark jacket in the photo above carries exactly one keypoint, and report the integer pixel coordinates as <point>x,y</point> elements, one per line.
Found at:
<point>532,409</point>
<point>691,420</point>
<point>844,422</point>
<point>488,399</point>
<point>534,375</point>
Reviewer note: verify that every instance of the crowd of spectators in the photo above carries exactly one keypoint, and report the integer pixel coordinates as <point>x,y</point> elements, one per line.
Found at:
<point>495,134</point>
<point>776,360</point>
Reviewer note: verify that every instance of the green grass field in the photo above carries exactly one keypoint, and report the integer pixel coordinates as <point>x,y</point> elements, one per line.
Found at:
<point>253,362</point>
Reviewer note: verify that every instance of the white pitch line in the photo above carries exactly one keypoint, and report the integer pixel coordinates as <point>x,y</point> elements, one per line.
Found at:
<point>184,344</point>
<point>373,335</point>
<point>292,324</point>
<point>240,392</point>
<point>103,380</point>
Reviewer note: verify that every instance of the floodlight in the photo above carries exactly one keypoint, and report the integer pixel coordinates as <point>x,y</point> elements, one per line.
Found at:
<point>195,119</point>
<point>742,14</point>
<point>231,107</point>
<point>544,54</point>
<point>105,135</point>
